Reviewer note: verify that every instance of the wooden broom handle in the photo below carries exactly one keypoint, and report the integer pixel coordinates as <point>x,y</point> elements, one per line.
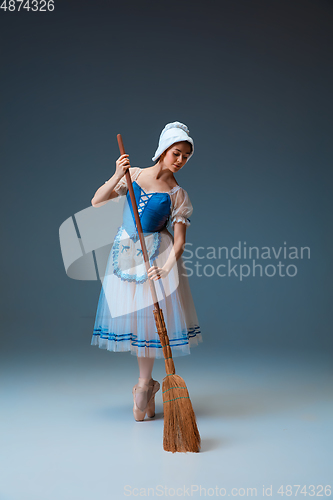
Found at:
<point>138,223</point>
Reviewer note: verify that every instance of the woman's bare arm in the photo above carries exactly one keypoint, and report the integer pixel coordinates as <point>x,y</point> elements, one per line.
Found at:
<point>179,238</point>
<point>106,191</point>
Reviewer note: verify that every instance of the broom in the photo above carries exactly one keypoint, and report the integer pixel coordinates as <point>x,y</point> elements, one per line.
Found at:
<point>180,428</point>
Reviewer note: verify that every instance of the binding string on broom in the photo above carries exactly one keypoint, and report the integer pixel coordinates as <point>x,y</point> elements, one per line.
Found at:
<point>180,428</point>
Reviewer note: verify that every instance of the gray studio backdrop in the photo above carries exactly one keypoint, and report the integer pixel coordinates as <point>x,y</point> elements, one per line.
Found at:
<point>251,79</point>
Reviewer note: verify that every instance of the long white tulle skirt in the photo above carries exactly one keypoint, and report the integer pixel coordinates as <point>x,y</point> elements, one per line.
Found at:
<point>124,318</point>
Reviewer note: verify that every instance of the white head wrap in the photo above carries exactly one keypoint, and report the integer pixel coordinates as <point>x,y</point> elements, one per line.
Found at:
<point>173,132</point>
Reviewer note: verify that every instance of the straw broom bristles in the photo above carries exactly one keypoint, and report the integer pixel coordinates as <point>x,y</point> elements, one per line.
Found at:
<point>180,428</point>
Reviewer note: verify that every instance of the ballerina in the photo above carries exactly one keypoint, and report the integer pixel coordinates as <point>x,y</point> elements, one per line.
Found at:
<point>124,318</point>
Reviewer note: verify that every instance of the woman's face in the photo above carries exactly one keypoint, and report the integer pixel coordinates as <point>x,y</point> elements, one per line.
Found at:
<point>176,156</point>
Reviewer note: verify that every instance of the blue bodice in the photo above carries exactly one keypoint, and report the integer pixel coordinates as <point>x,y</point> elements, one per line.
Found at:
<point>154,211</point>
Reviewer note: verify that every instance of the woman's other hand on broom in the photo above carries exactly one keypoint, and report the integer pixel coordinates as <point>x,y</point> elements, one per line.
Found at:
<point>156,273</point>
<point>122,165</point>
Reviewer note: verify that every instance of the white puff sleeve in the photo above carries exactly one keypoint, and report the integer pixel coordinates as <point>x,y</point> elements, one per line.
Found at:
<point>121,188</point>
<point>181,207</point>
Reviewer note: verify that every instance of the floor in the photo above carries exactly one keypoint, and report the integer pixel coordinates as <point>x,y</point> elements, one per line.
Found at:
<point>68,432</point>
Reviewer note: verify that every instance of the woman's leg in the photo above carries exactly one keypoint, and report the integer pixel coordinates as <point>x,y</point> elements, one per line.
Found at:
<point>145,374</point>
<point>145,367</point>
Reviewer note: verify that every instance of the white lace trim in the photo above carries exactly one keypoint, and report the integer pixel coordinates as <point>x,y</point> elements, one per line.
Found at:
<point>180,218</point>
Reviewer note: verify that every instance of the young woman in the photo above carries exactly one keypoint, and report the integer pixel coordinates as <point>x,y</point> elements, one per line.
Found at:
<point>124,318</point>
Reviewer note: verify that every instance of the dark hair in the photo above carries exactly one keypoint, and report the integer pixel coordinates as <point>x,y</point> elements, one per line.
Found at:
<point>158,159</point>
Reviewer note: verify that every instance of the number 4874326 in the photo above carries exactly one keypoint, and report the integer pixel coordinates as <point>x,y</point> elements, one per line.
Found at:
<point>33,5</point>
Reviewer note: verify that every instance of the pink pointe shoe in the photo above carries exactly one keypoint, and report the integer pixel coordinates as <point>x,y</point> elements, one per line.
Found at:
<point>147,389</point>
